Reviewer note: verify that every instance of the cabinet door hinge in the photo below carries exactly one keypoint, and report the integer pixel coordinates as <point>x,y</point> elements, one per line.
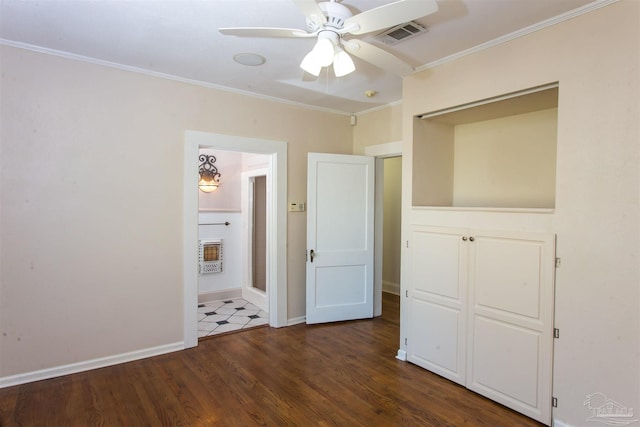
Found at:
<point>406,293</point>
<point>407,243</point>
<point>558,262</point>
<point>405,341</point>
<point>556,333</point>
<point>554,402</point>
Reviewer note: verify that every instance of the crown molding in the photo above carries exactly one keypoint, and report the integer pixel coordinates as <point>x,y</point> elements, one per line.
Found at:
<point>487,45</point>
<point>82,58</point>
<point>519,33</point>
<point>379,107</point>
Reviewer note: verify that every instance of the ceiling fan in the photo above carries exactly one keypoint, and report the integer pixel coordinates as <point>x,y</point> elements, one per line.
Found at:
<point>330,22</point>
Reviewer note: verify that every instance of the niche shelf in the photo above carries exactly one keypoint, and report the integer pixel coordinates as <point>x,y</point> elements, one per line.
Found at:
<point>493,153</point>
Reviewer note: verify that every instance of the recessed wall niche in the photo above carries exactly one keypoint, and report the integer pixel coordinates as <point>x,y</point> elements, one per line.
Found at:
<point>497,153</point>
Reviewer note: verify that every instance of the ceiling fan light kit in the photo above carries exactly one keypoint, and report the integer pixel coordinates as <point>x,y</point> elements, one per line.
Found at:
<point>330,22</point>
<point>324,50</point>
<point>310,65</point>
<point>342,63</point>
<point>327,51</point>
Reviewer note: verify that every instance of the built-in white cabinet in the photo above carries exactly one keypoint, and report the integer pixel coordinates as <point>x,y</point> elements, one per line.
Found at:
<point>480,312</point>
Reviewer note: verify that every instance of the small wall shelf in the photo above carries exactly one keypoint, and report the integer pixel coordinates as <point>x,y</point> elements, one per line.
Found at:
<point>494,153</point>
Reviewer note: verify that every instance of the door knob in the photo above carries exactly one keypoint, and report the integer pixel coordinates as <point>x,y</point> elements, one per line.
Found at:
<point>471,239</point>
<point>464,238</point>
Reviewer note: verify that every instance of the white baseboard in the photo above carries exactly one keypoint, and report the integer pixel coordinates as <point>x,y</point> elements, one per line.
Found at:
<point>402,355</point>
<point>557,423</point>
<point>296,320</point>
<point>390,287</point>
<point>219,295</point>
<point>88,365</point>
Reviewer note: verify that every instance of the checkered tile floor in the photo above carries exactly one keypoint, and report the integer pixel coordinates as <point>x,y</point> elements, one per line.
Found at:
<point>229,315</point>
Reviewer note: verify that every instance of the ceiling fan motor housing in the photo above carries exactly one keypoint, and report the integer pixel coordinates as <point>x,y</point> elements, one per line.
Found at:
<point>335,13</point>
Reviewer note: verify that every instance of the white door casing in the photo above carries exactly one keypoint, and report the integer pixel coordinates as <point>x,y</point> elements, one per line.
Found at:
<point>277,227</point>
<point>340,244</point>
<point>380,152</point>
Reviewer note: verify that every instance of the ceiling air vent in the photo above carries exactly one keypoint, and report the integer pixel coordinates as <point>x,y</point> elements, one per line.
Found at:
<point>401,32</point>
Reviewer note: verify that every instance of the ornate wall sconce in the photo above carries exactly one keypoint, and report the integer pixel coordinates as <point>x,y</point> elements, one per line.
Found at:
<point>209,175</point>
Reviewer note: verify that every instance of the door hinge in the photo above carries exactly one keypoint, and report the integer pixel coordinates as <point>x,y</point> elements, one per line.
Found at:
<point>406,293</point>
<point>405,341</point>
<point>554,402</point>
<point>557,262</point>
<point>556,333</point>
<point>407,243</point>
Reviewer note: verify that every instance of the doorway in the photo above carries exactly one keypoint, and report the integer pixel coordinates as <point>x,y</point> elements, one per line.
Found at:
<point>255,213</point>
<point>276,226</point>
<point>391,286</point>
<point>388,236</point>
<point>391,219</point>
<point>234,295</point>
<point>259,235</point>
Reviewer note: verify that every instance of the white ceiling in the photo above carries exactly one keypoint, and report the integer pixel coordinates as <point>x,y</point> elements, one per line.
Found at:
<point>180,39</point>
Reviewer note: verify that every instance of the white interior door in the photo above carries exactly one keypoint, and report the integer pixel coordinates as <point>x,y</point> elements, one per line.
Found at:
<point>340,234</point>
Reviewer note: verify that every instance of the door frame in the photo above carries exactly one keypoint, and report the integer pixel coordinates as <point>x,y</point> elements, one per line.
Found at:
<point>277,227</point>
<point>380,152</point>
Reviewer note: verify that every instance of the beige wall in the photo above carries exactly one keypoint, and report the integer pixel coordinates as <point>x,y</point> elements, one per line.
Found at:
<point>433,161</point>
<point>595,59</point>
<point>91,202</point>
<point>506,162</point>
<point>391,223</point>
<point>377,127</point>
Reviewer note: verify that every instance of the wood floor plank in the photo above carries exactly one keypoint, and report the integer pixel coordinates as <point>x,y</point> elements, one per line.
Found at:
<point>340,374</point>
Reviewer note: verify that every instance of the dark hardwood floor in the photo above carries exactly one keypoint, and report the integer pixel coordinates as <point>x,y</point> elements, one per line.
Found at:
<point>341,374</point>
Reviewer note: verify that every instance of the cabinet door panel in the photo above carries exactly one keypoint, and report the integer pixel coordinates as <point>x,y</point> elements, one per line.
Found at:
<point>510,339</point>
<point>436,266</point>
<point>437,301</point>
<point>507,275</point>
<point>440,327</point>
<point>505,360</point>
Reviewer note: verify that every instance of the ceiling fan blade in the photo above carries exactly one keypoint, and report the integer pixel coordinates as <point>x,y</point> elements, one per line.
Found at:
<point>311,10</point>
<point>378,57</point>
<point>389,15</point>
<point>265,32</point>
